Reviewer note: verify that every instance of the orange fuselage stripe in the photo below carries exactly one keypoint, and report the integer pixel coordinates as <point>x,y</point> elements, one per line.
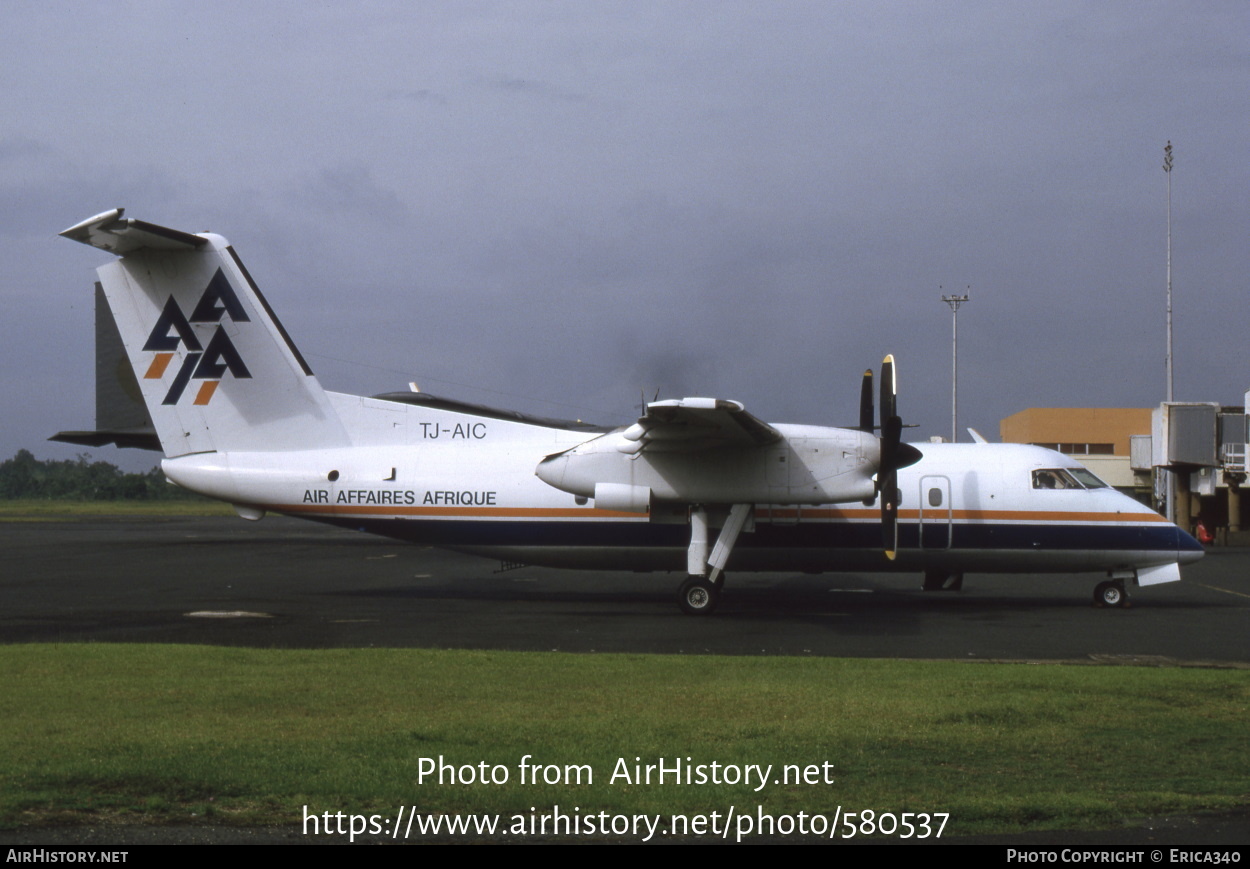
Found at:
<point>467,512</point>
<point>787,513</point>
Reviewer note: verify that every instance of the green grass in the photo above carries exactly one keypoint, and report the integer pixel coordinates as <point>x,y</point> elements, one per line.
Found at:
<point>164,733</point>
<point>50,510</point>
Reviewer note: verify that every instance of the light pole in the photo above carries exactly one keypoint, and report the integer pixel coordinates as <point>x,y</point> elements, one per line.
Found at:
<point>955,302</point>
<point>1170,488</point>
<point>1167,168</point>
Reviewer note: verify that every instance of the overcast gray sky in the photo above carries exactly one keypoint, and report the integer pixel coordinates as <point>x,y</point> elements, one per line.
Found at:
<point>553,206</point>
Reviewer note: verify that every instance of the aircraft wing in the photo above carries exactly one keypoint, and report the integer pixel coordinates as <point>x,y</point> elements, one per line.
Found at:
<point>687,424</point>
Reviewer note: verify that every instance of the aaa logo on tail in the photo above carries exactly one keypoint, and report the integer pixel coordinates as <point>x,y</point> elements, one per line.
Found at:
<point>209,364</point>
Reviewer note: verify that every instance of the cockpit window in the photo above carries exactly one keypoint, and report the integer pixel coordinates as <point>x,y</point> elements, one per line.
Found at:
<point>1086,479</point>
<point>1054,478</point>
<point>1066,478</point>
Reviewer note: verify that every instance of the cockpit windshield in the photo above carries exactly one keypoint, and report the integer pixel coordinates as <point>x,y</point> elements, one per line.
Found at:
<point>1086,479</point>
<point>1066,478</point>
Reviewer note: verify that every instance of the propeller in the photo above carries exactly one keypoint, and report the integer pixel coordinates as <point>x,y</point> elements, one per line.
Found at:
<point>865,403</point>
<point>894,454</point>
<point>642,403</point>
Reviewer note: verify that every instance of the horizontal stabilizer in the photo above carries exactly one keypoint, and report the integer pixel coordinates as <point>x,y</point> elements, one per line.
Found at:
<point>118,235</point>
<point>135,439</point>
<point>121,418</point>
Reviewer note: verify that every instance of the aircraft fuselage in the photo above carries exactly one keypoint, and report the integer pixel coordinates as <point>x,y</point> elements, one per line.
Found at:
<point>473,487</point>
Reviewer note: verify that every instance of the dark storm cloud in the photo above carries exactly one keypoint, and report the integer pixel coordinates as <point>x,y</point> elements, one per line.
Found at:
<point>553,206</point>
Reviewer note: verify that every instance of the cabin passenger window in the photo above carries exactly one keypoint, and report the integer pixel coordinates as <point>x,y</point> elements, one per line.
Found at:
<point>935,497</point>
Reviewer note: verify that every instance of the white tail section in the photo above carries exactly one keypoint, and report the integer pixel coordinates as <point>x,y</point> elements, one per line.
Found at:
<point>216,369</point>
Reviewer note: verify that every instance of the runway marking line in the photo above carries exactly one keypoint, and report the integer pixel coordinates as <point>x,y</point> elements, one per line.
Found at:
<point>1217,588</point>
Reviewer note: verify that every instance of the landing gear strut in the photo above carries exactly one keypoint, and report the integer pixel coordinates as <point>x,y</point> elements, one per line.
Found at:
<point>700,592</point>
<point>1110,594</point>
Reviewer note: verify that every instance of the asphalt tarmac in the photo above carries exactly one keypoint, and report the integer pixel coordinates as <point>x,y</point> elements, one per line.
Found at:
<point>286,583</point>
<point>291,584</point>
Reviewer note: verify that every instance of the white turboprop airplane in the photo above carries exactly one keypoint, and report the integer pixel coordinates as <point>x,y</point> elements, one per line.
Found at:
<point>697,483</point>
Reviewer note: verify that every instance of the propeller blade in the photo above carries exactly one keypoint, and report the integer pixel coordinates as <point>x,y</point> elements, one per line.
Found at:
<point>887,484</point>
<point>894,455</point>
<point>865,403</point>
<point>889,391</point>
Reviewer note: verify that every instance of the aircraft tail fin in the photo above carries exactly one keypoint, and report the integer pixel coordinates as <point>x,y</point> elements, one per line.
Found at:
<point>216,369</point>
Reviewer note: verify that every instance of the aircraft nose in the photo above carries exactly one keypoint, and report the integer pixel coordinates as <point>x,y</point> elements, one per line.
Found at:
<point>1188,549</point>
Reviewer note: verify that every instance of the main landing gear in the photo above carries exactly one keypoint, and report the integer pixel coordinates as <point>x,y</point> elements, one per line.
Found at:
<point>698,596</point>
<point>1110,594</point>
<point>700,592</point>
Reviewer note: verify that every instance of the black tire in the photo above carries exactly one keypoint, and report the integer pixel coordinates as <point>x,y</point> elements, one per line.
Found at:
<point>697,596</point>
<point>1110,594</point>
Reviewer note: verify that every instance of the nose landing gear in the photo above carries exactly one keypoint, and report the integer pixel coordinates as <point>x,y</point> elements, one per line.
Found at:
<point>1110,594</point>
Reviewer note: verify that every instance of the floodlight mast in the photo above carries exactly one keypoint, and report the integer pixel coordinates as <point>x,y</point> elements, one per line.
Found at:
<point>1169,491</point>
<point>955,302</point>
<point>1167,168</point>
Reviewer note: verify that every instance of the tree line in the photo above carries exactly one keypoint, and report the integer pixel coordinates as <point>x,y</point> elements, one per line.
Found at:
<point>80,479</point>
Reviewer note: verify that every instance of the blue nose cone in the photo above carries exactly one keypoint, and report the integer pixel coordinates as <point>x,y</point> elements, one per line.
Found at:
<point>1188,549</point>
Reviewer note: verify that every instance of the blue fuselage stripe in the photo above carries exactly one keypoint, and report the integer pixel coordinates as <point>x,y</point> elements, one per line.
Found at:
<point>1155,536</point>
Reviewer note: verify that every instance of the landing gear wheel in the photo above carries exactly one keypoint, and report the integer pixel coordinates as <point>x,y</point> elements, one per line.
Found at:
<point>697,596</point>
<point>1110,594</point>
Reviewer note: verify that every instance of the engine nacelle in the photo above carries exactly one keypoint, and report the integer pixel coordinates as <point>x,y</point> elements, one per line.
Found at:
<point>810,465</point>
<point>621,496</point>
